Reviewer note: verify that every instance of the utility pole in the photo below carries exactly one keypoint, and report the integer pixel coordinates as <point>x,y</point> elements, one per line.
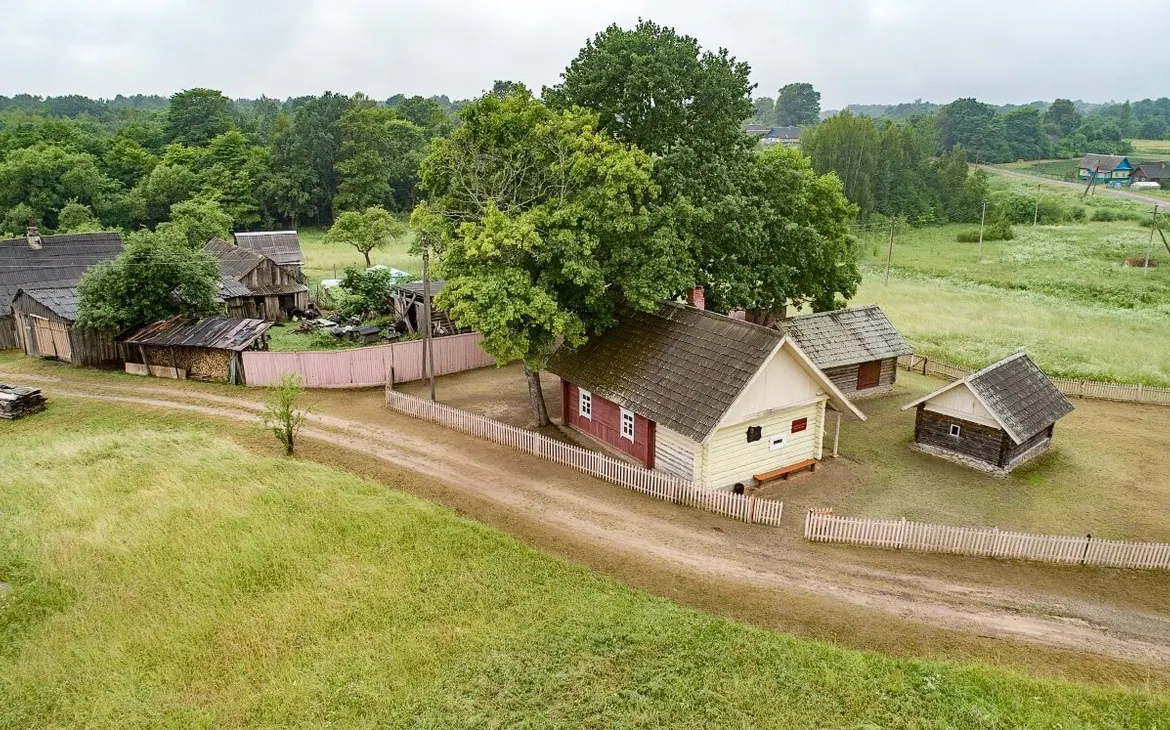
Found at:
<point>428,344</point>
<point>1036,215</point>
<point>982,220</point>
<point>1150,246</point>
<point>890,255</point>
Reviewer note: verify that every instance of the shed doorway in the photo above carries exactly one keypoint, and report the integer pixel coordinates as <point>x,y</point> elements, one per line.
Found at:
<point>869,374</point>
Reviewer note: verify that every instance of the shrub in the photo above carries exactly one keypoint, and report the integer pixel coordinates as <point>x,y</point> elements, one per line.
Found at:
<point>281,413</point>
<point>365,293</point>
<point>999,230</point>
<point>1109,215</point>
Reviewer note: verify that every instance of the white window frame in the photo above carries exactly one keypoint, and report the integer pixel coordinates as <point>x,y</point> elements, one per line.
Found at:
<point>627,417</point>
<point>777,441</point>
<point>956,430</point>
<point>585,404</point>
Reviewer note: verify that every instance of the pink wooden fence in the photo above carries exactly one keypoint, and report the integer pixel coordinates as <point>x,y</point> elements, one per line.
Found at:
<point>366,366</point>
<point>659,485</point>
<point>823,526</point>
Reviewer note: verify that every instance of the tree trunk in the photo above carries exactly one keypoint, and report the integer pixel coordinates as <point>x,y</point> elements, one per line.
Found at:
<point>536,397</point>
<point>367,255</point>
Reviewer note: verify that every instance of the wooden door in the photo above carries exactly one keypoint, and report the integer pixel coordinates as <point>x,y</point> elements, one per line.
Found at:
<point>46,345</point>
<point>869,374</point>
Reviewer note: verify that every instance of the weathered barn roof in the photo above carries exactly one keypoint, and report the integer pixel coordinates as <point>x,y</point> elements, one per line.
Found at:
<point>681,367</point>
<point>1156,170</point>
<point>230,288</point>
<point>1101,163</point>
<point>220,333</point>
<point>59,263</point>
<point>416,287</point>
<point>846,336</point>
<point>234,261</point>
<point>283,247</point>
<point>61,301</point>
<point>269,290</point>
<point>1019,396</point>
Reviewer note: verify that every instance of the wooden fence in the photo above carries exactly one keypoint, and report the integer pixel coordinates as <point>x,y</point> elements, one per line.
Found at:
<point>659,485</point>
<point>366,366</point>
<point>824,526</point>
<point>1092,389</point>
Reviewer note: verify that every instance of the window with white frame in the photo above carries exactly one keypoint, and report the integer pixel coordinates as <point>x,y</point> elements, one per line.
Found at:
<point>627,424</point>
<point>585,404</point>
<point>955,430</point>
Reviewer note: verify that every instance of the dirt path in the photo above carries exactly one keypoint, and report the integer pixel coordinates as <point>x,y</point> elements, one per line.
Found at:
<point>587,511</point>
<point>1148,200</point>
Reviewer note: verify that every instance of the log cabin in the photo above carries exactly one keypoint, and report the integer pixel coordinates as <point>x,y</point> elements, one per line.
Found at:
<point>994,419</point>
<point>715,400</point>
<point>857,348</point>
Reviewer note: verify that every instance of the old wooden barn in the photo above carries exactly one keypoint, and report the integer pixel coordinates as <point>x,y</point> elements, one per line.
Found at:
<point>46,327</point>
<point>408,308</point>
<point>857,348</point>
<point>282,247</point>
<point>255,286</point>
<point>994,419</point>
<point>201,349</point>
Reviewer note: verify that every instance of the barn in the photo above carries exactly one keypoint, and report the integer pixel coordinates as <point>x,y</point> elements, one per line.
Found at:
<point>201,349</point>
<point>254,286</point>
<point>282,247</point>
<point>994,419</point>
<point>857,348</point>
<point>45,327</point>
<point>700,395</point>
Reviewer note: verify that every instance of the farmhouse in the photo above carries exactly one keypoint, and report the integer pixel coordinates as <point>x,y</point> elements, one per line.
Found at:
<point>255,286</point>
<point>45,319</point>
<point>202,349</point>
<point>37,261</point>
<point>283,247</point>
<point>408,308</point>
<point>857,348</point>
<point>706,397</point>
<point>1158,172</point>
<point>783,136</point>
<point>1108,168</point>
<point>994,419</point>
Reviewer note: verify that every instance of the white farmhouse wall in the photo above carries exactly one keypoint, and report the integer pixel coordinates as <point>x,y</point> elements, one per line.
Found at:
<point>960,402</point>
<point>728,457</point>
<point>674,453</point>
<point>781,383</point>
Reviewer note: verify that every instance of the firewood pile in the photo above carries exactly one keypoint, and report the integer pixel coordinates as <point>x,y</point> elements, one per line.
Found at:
<point>16,402</point>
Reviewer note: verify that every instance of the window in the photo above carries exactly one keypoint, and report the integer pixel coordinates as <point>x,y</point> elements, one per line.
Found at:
<point>955,430</point>
<point>627,424</point>
<point>585,404</point>
<point>799,425</point>
<point>777,442</point>
<point>869,374</point>
<point>755,433</point>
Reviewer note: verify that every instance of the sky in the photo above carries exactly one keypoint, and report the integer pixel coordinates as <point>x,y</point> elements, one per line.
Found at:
<point>852,51</point>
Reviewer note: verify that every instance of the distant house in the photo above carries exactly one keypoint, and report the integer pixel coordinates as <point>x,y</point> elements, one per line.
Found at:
<point>37,261</point>
<point>187,347</point>
<point>700,395</point>
<point>857,348</point>
<point>994,419</point>
<point>283,247</point>
<point>1108,168</point>
<point>45,327</point>
<point>1158,172</point>
<point>783,136</point>
<point>254,285</point>
<point>755,130</point>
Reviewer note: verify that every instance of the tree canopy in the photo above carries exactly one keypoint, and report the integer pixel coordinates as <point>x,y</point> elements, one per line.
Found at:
<point>798,104</point>
<point>365,230</point>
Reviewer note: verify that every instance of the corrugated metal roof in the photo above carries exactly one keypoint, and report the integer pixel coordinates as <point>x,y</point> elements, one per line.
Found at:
<point>62,302</point>
<point>1156,170</point>
<point>58,264</point>
<point>234,261</point>
<point>846,336</point>
<point>221,333</point>
<point>230,288</point>
<point>283,247</point>
<point>416,287</point>
<point>275,289</point>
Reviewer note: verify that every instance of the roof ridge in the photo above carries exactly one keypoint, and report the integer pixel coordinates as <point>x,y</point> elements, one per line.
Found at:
<point>682,306</point>
<point>831,311</point>
<point>997,364</point>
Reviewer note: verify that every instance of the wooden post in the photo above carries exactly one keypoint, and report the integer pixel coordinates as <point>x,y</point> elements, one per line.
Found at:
<point>428,345</point>
<point>890,255</point>
<point>1036,214</point>
<point>836,434</point>
<point>982,221</point>
<point>1150,245</point>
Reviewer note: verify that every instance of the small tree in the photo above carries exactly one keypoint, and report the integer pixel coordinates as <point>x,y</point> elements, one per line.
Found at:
<point>281,413</point>
<point>197,221</point>
<point>76,217</point>
<point>365,230</point>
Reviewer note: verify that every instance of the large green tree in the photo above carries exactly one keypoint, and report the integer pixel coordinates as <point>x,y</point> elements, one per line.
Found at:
<point>798,104</point>
<point>378,160</point>
<point>543,226</point>
<point>196,222</point>
<point>1062,118</point>
<point>307,152</point>
<point>1025,135</point>
<point>976,127</point>
<point>156,276</point>
<point>365,230</point>
<point>195,116</point>
<point>45,177</point>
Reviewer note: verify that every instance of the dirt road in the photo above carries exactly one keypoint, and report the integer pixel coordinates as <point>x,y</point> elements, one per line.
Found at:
<point>577,514</point>
<point>1147,199</point>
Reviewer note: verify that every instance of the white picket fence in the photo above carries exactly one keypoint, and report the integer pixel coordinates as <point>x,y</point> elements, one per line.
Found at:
<point>1092,389</point>
<point>824,526</point>
<point>659,485</point>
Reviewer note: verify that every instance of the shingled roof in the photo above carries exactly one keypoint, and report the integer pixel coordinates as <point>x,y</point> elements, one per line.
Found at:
<point>230,288</point>
<point>63,302</point>
<point>1019,396</point>
<point>1156,170</point>
<point>58,263</point>
<point>234,261</point>
<point>283,247</point>
<point>222,333</point>
<point>846,336</point>
<point>680,367</point>
<point>1101,163</point>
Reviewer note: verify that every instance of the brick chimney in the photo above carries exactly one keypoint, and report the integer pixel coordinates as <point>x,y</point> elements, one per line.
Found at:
<point>33,235</point>
<point>696,297</point>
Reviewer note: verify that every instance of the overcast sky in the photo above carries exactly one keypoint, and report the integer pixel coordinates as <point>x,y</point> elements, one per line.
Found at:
<point>853,51</point>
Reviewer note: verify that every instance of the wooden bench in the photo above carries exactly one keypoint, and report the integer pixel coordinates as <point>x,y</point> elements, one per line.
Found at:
<point>784,471</point>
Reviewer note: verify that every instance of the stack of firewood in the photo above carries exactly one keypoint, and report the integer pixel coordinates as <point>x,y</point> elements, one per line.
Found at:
<point>18,402</point>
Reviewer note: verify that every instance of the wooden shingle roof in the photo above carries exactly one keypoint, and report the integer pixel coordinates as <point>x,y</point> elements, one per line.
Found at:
<point>59,263</point>
<point>234,261</point>
<point>846,336</point>
<point>63,302</point>
<point>283,247</point>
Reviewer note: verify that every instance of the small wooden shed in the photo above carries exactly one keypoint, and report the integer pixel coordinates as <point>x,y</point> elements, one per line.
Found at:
<point>254,286</point>
<point>408,308</point>
<point>857,348</point>
<point>45,327</point>
<point>995,419</point>
<point>201,349</point>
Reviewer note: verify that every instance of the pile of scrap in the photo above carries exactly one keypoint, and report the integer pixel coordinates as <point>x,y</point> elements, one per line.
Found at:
<point>16,402</point>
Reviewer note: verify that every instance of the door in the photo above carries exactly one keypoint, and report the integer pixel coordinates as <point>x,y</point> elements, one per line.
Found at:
<point>46,343</point>
<point>869,374</point>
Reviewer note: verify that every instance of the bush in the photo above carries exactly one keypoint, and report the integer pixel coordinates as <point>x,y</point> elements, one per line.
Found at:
<point>999,230</point>
<point>365,293</point>
<point>1109,215</point>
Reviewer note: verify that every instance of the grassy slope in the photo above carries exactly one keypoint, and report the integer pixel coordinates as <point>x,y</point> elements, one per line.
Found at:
<point>329,260</point>
<point>162,576</point>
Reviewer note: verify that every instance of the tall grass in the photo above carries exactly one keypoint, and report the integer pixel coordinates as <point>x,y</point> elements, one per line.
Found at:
<point>329,260</point>
<point>158,575</point>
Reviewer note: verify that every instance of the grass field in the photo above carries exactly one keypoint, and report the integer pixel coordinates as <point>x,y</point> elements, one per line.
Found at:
<point>1150,149</point>
<point>1061,169</point>
<point>329,260</point>
<point>156,574</point>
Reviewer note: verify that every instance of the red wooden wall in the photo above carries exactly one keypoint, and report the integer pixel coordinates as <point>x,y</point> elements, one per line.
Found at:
<point>606,425</point>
